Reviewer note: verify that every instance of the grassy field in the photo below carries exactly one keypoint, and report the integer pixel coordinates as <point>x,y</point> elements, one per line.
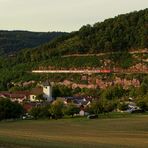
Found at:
<point>76,133</point>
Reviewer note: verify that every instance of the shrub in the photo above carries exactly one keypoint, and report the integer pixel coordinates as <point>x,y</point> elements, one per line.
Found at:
<point>10,110</point>
<point>123,106</point>
<point>71,109</point>
<point>40,112</point>
<point>56,108</point>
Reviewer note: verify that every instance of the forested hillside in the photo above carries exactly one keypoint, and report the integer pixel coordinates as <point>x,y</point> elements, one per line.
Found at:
<point>122,33</point>
<point>13,41</point>
<point>116,37</point>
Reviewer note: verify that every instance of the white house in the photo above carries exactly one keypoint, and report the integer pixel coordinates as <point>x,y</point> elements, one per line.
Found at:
<point>34,93</point>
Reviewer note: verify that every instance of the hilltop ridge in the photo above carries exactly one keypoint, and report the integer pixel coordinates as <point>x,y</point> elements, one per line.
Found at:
<point>122,33</point>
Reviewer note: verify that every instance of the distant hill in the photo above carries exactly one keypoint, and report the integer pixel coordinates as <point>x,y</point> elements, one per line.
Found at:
<point>13,41</point>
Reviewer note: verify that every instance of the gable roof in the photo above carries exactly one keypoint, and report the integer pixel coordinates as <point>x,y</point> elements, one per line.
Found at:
<point>36,91</point>
<point>14,95</point>
<point>46,83</point>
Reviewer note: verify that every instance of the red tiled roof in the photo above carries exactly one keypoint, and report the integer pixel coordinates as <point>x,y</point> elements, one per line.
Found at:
<point>21,94</point>
<point>18,95</point>
<point>26,93</point>
<point>37,91</point>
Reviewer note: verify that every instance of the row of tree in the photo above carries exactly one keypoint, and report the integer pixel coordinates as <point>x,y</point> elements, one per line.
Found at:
<point>55,110</point>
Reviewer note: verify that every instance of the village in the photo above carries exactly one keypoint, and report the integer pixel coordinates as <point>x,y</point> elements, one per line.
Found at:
<point>41,96</point>
<point>74,74</point>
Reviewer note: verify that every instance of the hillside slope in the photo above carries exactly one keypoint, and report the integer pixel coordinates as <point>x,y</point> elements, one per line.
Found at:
<point>122,33</point>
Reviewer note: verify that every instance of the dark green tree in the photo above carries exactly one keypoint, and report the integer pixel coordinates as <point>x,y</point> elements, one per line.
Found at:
<point>71,109</point>
<point>56,109</point>
<point>10,110</point>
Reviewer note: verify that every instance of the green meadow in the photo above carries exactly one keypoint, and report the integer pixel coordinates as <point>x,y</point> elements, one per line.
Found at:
<point>130,132</point>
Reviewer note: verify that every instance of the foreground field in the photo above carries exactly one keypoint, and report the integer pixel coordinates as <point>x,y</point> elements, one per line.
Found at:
<point>76,133</point>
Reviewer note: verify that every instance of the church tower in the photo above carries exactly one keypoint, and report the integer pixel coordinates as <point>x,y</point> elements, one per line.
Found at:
<point>47,91</point>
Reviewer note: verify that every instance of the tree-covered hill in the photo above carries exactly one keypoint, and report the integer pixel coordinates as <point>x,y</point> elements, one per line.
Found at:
<point>13,41</point>
<point>122,33</point>
<point>119,34</point>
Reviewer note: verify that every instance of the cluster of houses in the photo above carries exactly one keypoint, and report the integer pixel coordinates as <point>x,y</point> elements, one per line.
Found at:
<point>29,99</point>
<point>82,102</point>
<point>44,89</point>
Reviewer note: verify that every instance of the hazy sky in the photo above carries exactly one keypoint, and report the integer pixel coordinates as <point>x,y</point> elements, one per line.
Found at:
<point>61,15</point>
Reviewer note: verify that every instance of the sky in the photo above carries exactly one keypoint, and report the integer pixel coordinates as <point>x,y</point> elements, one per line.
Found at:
<point>61,15</point>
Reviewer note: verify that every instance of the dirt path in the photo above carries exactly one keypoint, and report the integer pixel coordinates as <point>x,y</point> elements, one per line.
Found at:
<point>101,54</point>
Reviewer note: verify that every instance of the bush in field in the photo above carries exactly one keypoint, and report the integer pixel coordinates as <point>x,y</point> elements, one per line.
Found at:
<point>143,103</point>
<point>10,110</point>
<point>110,106</point>
<point>102,106</point>
<point>71,109</point>
<point>56,108</point>
<point>35,111</point>
<point>123,106</point>
<point>95,107</point>
<point>40,112</point>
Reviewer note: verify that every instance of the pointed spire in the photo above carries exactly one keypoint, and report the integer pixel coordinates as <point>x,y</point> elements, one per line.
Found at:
<point>46,83</point>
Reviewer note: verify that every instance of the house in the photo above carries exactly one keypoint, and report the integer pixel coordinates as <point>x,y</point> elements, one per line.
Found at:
<point>18,96</point>
<point>34,93</point>
<point>45,90</point>
<point>77,100</point>
<point>4,94</point>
